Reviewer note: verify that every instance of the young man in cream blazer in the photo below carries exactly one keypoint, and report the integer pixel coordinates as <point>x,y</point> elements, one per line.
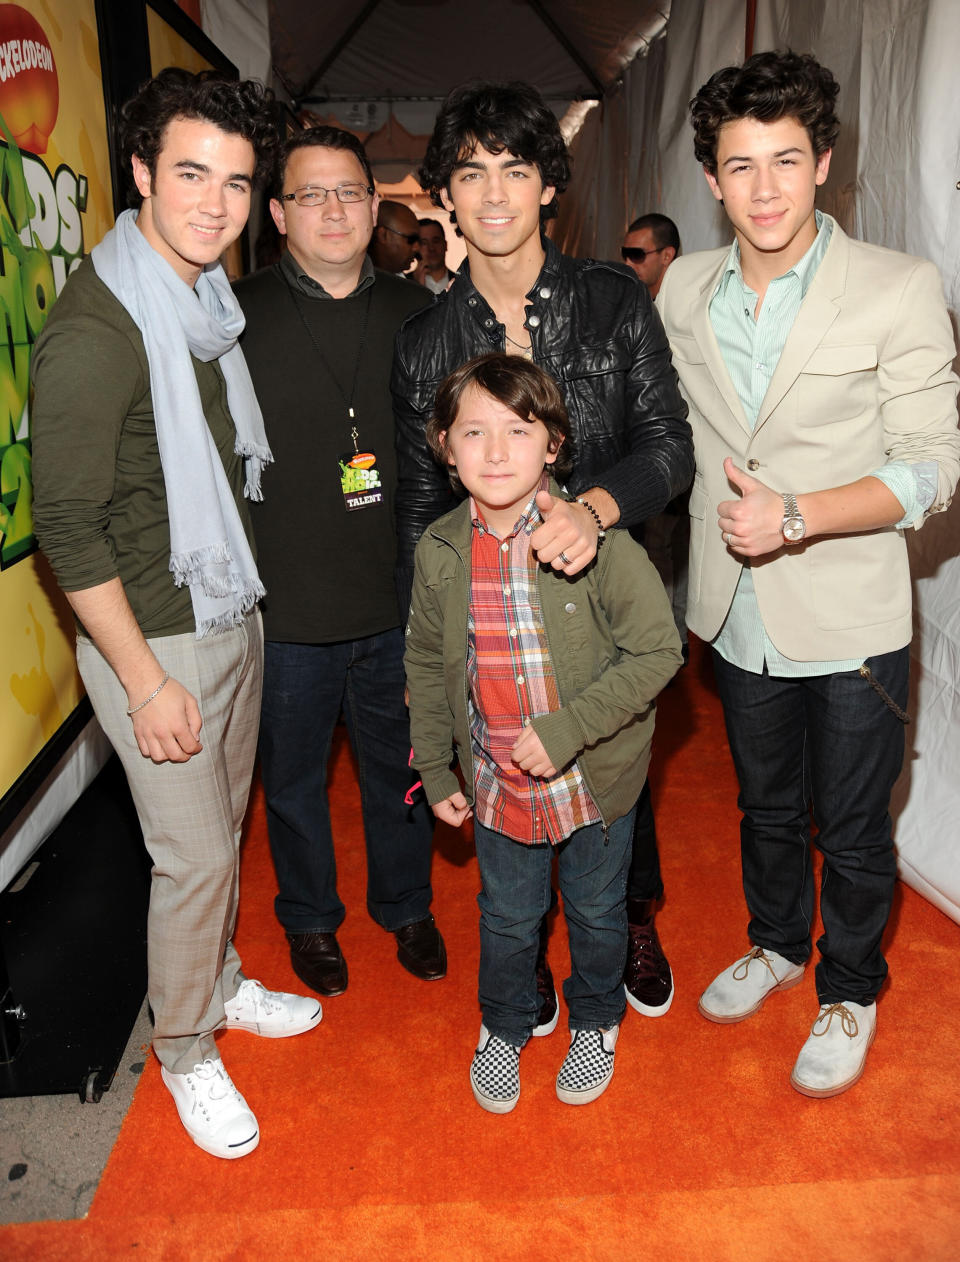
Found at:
<point>823,407</point>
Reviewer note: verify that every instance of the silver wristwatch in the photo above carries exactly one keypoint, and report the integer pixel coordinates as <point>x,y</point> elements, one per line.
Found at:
<point>793,527</point>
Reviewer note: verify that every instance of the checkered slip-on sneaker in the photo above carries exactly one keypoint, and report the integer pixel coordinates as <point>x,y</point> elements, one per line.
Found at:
<point>588,1067</point>
<point>495,1073</point>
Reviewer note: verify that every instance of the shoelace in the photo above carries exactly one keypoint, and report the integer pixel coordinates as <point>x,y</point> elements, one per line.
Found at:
<point>848,1022</point>
<point>642,961</point>
<point>210,1071</point>
<point>264,1000</point>
<point>740,972</point>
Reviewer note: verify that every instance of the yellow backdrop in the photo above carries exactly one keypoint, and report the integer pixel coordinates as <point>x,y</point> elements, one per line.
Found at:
<point>55,204</point>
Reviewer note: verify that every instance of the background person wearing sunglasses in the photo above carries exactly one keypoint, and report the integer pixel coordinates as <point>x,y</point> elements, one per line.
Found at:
<point>649,247</point>
<point>394,244</point>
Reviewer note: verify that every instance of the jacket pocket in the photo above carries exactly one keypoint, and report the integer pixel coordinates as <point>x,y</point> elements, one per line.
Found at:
<point>836,361</point>
<point>859,580</point>
<point>838,383</point>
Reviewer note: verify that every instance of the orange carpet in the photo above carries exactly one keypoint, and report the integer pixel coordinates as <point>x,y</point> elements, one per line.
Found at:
<point>372,1146</point>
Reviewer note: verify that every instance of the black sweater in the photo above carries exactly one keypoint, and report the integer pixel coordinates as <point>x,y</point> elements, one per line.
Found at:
<point>329,573</point>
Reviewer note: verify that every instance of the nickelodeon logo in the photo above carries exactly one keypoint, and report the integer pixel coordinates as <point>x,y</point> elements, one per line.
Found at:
<point>23,54</point>
<point>29,89</point>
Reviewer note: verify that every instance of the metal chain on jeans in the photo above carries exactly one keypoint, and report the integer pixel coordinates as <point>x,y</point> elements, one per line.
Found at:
<point>882,693</point>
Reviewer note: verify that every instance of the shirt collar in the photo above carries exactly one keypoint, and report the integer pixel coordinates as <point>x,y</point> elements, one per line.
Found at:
<point>550,269</point>
<point>804,270</point>
<point>310,288</point>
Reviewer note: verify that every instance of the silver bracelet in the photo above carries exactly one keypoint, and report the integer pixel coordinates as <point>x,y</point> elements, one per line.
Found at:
<point>156,692</point>
<point>601,533</point>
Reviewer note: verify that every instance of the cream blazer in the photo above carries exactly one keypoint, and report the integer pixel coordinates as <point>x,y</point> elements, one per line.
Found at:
<point>865,378</point>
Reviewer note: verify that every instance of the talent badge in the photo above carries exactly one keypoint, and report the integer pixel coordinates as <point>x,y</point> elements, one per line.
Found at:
<point>360,480</point>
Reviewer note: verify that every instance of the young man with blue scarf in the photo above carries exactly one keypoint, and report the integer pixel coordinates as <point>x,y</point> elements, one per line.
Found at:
<point>147,439</point>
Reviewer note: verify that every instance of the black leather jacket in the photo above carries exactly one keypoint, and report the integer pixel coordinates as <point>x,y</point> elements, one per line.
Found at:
<point>595,330</point>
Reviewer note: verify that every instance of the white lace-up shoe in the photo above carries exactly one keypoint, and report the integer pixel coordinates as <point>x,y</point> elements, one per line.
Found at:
<point>588,1068</point>
<point>214,1113</point>
<point>739,991</point>
<point>834,1056</point>
<point>495,1073</point>
<point>271,1013</point>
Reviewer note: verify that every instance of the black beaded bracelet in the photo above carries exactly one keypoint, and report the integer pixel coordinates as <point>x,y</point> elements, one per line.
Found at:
<point>601,533</point>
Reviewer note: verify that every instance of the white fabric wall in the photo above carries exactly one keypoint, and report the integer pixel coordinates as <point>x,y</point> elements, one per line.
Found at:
<point>893,181</point>
<point>241,30</point>
<point>635,152</point>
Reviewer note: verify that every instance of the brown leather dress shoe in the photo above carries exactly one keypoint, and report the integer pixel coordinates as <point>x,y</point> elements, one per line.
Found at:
<point>421,951</point>
<point>318,961</point>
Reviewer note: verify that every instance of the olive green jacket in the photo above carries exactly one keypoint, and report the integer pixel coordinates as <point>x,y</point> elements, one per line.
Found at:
<point>612,642</point>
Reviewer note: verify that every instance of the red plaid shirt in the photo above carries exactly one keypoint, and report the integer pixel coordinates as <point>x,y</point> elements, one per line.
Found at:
<point>511,681</point>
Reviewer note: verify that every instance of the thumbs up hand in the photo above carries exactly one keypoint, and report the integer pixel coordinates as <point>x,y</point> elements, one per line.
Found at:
<point>750,525</point>
<point>567,536</point>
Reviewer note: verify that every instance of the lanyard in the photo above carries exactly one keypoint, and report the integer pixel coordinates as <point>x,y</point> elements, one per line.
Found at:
<point>347,400</point>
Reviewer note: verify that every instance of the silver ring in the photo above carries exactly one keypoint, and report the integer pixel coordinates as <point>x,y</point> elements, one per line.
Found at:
<point>564,558</point>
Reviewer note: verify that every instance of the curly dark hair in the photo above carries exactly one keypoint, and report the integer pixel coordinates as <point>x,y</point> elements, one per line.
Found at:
<point>327,138</point>
<point>238,107</point>
<point>499,116</point>
<point>518,384</point>
<point>768,86</point>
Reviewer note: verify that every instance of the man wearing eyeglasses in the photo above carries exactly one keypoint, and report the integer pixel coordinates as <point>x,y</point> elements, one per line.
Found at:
<point>433,271</point>
<point>396,238</point>
<point>651,244</point>
<point>319,343</point>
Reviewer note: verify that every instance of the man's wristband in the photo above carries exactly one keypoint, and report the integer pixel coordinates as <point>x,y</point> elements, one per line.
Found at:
<point>601,533</point>
<point>156,692</point>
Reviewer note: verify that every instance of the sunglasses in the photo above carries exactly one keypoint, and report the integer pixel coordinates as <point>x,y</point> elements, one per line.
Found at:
<point>411,238</point>
<point>634,254</point>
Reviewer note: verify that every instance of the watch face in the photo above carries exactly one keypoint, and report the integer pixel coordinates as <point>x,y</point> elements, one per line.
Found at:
<point>794,528</point>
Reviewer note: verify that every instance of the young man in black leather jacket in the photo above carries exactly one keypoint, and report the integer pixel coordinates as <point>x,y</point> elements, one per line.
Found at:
<point>495,162</point>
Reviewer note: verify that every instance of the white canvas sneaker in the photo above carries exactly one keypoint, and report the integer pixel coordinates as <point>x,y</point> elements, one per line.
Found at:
<point>213,1112</point>
<point>740,990</point>
<point>271,1013</point>
<point>834,1056</point>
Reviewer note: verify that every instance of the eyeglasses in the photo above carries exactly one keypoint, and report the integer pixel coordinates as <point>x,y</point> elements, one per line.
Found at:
<point>411,238</point>
<point>316,194</point>
<point>634,254</point>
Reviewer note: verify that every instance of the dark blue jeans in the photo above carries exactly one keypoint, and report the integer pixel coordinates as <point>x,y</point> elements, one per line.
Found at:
<point>304,688</point>
<point>516,894</point>
<point>643,879</point>
<point>830,744</point>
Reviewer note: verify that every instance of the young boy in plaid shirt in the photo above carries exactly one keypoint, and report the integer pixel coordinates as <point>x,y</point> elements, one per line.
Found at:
<point>545,685</point>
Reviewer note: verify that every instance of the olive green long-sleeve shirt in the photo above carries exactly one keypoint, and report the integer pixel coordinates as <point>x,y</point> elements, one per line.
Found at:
<point>100,506</point>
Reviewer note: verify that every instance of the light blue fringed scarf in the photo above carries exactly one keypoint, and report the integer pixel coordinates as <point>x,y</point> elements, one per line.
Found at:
<point>208,547</point>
